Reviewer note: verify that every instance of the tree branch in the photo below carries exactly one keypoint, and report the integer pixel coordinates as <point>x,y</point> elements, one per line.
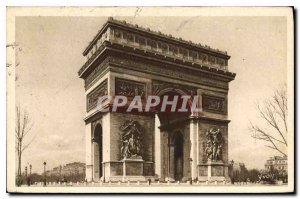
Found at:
<point>263,135</point>
<point>274,114</point>
<point>275,149</point>
<point>268,115</point>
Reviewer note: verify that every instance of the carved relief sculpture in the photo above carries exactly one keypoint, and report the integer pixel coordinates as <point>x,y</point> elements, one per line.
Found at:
<point>131,138</point>
<point>130,88</point>
<point>92,78</point>
<point>213,104</point>
<point>93,96</point>
<point>213,148</point>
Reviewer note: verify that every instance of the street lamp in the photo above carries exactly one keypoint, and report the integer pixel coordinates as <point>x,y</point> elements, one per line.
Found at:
<point>45,173</point>
<point>26,178</point>
<point>26,171</point>
<point>231,165</point>
<point>45,168</point>
<point>30,167</point>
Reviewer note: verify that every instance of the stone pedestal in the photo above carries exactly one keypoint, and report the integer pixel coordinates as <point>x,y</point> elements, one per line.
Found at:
<point>132,167</point>
<point>129,170</point>
<point>212,171</point>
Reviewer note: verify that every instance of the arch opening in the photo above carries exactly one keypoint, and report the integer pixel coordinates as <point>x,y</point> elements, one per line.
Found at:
<point>178,156</point>
<point>173,124</point>
<point>98,152</point>
<point>170,118</point>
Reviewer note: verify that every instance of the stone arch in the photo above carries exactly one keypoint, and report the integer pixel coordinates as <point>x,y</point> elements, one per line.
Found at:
<point>179,91</point>
<point>97,143</point>
<point>178,143</point>
<point>167,118</point>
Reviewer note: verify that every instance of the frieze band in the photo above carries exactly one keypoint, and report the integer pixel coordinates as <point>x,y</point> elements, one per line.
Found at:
<point>95,75</point>
<point>93,96</point>
<point>130,88</point>
<point>213,104</point>
<point>166,70</point>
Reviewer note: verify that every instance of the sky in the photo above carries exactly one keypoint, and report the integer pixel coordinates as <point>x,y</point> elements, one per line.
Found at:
<point>48,86</point>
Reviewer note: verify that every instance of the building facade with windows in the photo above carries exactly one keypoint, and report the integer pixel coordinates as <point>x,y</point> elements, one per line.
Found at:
<point>276,162</point>
<point>74,168</point>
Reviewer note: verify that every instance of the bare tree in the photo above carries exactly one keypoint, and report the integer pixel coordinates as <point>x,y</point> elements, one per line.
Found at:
<point>274,116</point>
<point>23,127</point>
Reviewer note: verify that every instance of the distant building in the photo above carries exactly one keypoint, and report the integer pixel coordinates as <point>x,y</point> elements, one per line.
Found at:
<point>276,162</point>
<point>55,171</point>
<point>74,168</point>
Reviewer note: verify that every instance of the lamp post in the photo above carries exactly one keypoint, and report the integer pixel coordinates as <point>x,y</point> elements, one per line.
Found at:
<point>30,167</point>
<point>45,173</point>
<point>26,172</point>
<point>231,172</point>
<point>26,178</point>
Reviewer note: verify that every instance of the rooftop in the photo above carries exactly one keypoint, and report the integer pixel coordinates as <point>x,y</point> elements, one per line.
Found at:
<point>120,35</point>
<point>149,31</point>
<point>278,158</point>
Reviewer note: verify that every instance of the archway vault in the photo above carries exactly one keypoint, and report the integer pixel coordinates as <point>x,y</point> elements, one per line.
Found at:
<point>169,120</point>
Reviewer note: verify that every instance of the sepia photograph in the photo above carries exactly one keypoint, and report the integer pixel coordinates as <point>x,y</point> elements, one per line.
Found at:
<point>150,100</point>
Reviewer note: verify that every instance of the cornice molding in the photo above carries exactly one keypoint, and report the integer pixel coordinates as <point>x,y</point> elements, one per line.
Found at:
<point>111,48</point>
<point>195,118</point>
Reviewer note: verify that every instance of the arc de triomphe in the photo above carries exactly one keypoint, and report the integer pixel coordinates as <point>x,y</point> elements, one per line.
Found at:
<point>129,60</point>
